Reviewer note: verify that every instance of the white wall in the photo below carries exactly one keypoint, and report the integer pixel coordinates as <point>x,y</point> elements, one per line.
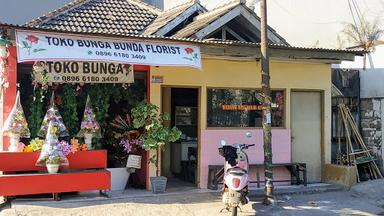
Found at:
<point>371,83</point>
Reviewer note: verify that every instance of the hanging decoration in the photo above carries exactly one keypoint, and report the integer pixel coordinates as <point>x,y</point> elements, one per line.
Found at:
<point>16,125</point>
<point>52,153</point>
<point>89,128</point>
<point>53,116</point>
<point>4,54</point>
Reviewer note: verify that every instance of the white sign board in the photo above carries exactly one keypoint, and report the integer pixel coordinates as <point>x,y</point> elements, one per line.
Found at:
<point>134,161</point>
<point>86,72</point>
<point>44,46</point>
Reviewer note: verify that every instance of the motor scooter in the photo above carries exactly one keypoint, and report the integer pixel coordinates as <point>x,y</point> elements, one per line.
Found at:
<point>235,176</point>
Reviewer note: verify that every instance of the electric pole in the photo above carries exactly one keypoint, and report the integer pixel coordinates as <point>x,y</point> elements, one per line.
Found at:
<point>266,91</point>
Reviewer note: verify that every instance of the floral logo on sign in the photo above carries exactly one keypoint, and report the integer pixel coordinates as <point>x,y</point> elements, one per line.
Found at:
<point>192,56</point>
<point>30,43</point>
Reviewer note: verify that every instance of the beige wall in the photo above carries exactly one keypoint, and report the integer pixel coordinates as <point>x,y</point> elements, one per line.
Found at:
<point>246,74</point>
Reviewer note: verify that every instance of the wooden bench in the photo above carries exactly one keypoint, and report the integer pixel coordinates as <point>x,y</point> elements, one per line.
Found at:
<point>86,171</point>
<point>216,174</point>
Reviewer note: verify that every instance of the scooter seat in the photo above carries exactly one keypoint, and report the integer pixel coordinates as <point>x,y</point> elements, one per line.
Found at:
<point>237,171</point>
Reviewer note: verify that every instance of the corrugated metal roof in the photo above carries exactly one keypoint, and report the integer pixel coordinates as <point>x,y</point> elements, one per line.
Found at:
<point>167,16</point>
<point>205,19</point>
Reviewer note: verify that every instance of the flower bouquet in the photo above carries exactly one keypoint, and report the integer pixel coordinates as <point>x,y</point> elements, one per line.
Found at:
<point>16,125</point>
<point>35,145</point>
<point>121,141</point>
<point>53,154</point>
<point>89,126</point>
<point>53,116</point>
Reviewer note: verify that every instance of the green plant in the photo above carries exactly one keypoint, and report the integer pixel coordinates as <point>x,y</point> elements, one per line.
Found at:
<point>36,144</point>
<point>68,108</point>
<point>36,111</point>
<point>155,135</point>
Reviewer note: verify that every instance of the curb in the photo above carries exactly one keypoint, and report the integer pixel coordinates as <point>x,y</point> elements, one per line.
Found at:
<point>297,191</point>
<point>253,193</point>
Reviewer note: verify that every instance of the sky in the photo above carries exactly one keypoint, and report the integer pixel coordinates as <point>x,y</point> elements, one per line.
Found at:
<point>18,11</point>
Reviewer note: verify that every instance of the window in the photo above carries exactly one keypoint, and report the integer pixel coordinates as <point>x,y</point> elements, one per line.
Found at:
<point>240,108</point>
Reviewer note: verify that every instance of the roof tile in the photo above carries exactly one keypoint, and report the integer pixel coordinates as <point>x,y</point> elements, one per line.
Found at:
<point>84,16</point>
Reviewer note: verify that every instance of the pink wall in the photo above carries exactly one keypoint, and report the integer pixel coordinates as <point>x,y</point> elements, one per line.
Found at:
<point>210,142</point>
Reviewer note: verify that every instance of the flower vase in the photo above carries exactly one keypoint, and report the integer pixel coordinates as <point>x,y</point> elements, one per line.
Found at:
<point>88,140</point>
<point>14,143</point>
<point>52,168</point>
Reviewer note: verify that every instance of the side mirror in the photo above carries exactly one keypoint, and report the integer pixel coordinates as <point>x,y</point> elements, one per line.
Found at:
<point>223,142</point>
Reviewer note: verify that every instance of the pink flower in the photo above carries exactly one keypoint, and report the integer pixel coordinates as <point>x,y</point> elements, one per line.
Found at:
<point>33,39</point>
<point>20,147</point>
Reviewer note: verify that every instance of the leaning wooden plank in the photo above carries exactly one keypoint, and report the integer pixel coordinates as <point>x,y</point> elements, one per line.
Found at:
<point>24,184</point>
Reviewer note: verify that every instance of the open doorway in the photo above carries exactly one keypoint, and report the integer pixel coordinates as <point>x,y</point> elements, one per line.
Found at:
<point>179,159</point>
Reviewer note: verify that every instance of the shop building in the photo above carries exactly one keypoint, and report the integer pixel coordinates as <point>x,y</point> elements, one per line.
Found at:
<point>208,86</point>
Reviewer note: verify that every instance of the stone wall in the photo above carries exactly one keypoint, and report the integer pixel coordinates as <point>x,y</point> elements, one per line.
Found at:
<point>372,119</point>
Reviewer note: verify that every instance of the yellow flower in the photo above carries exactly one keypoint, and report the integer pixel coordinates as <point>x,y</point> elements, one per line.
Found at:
<point>28,149</point>
<point>54,130</point>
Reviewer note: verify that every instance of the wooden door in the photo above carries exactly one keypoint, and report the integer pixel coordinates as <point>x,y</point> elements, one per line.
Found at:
<point>306,131</point>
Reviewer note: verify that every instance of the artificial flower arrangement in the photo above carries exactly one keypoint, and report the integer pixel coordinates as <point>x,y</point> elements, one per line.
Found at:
<point>53,153</point>
<point>89,127</point>
<point>16,126</point>
<point>128,135</point>
<point>53,116</point>
<point>123,141</point>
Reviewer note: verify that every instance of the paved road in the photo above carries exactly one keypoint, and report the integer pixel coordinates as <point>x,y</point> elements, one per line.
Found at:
<point>205,204</point>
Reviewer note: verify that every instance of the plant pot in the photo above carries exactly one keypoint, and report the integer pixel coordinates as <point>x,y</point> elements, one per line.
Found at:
<point>119,178</point>
<point>52,168</point>
<point>88,140</point>
<point>159,184</point>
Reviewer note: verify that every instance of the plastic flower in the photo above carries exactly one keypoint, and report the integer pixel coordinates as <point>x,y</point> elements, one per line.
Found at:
<point>53,115</point>
<point>64,147</point>
<point>16,123</point>
<point>28,149</point>
<point>83,147</point>
<point>89,124</point>
<point>36,144</point>
<point>20,147</point>
<point>74,145</point>
<point>129,144</point>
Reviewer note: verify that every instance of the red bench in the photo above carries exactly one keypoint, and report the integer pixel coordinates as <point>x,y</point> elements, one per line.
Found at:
<point>86,171</point>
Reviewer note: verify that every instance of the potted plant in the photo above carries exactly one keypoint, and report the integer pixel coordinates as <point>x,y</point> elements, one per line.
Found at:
<point>154,136</point>
<point>53,163</point>
<point>124,142</point>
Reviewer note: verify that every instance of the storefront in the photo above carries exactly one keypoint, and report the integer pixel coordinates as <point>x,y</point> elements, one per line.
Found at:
<point>209,88</point>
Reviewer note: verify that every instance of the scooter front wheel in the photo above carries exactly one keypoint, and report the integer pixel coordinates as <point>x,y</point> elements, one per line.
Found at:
<point>234,211</point>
